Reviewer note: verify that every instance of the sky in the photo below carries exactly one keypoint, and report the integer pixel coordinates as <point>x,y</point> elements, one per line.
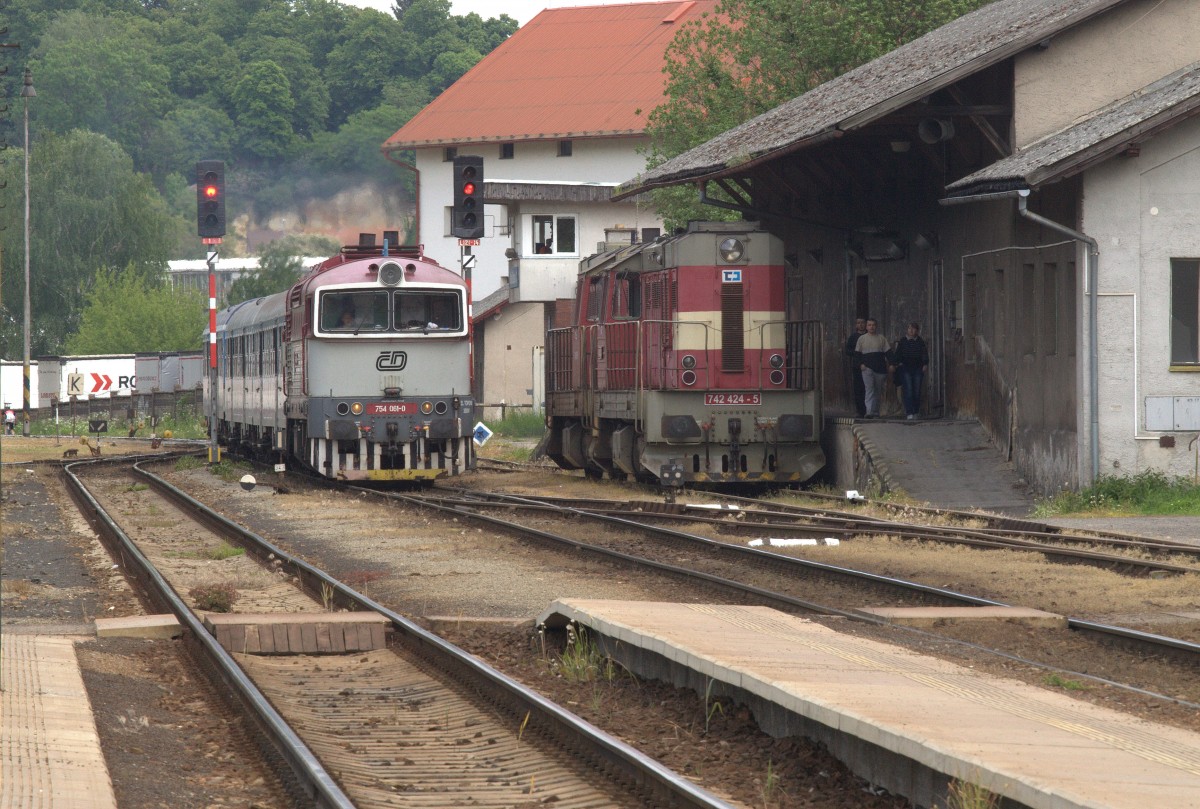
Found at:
<point>521,10</point>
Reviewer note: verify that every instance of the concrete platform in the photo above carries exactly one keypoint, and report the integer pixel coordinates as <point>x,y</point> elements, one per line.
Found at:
<point>50,756</point>
<point>901,720</point>
<point>161,627</point>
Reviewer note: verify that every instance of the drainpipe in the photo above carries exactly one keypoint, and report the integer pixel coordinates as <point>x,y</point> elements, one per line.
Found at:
<point>416,192</point>
<point>1093,270</point>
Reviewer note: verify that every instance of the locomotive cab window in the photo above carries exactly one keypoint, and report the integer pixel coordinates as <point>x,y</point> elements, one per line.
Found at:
<point>627,297</point>
<point>428,310</point>
<point>354,312</point>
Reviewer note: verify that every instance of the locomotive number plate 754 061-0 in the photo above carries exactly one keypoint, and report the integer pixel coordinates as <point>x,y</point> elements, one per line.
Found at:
<point>732,398</point>
<point>391,409</point>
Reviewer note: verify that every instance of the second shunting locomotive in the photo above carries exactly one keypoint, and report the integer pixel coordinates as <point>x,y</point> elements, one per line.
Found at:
<point>360,371</point>
<point>681,366</point>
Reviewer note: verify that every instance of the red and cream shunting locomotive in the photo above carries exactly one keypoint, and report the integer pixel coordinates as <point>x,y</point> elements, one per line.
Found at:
<point>682,367</point>
<point>360,371</point>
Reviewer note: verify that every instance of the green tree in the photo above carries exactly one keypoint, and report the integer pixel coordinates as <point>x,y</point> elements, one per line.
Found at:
<point>279,266</point>
<point>752,55</point>
<point>103,74</point>
<point>89,210</point>
<point>127,312</point>
<point>263,106</point>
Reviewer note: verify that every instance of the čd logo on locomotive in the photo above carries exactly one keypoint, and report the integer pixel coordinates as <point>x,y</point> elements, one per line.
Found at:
<point>391,360</point>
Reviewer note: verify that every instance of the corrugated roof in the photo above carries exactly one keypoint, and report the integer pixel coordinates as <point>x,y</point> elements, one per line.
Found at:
<point>1106,132</point>
<point>568,73</point>
<point>964,46</point>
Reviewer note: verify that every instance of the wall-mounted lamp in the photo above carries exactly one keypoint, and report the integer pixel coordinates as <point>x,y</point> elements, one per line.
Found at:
<point>510,253</point>
<point>925,241</point>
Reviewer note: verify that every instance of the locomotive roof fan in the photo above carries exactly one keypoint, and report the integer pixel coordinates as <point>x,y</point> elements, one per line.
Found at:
<point>390,274</point>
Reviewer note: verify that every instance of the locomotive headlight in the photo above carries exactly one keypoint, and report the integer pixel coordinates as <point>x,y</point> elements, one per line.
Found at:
<point>731,250</point>
<point>426,407</point>
<point>689,361</point>
<point>356,408</point>
<point>776,361</point>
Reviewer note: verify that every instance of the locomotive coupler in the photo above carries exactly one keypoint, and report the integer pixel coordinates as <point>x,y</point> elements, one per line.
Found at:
<point>735,444</point>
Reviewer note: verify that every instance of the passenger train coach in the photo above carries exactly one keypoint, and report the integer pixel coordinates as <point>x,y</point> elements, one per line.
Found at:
<point>360,371</point>
<point>682,367</point>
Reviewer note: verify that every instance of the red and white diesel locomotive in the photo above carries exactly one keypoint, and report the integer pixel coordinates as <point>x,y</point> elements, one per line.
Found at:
<point>360,371</point>
<point>681,366</point>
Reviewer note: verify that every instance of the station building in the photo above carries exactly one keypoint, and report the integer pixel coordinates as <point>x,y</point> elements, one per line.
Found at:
<point>1025,183</point>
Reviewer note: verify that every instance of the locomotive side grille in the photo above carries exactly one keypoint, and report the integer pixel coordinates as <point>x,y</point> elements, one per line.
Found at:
<point>732,334</point>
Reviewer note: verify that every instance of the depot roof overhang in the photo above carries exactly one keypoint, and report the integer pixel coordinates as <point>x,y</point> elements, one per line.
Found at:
<point>855,99</point>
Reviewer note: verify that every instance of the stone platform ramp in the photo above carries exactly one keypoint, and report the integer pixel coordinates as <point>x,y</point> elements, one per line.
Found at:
<point>945,463</point>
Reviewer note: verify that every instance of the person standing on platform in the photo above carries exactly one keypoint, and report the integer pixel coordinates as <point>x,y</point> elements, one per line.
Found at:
<point>10,420</point>
<point>860,391</point>
<point>872,349</point>
<point>912,360</point>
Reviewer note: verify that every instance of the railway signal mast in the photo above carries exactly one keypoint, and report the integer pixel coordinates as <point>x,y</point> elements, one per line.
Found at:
<point>210,225</point>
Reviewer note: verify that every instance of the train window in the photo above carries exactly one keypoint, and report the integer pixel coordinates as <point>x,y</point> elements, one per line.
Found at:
<point>354,311</point>
<point>428,310</point>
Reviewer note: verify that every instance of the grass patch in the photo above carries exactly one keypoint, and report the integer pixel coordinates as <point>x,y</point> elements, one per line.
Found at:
<point>581,661</point>
<point>190,462</point>
<point>969,795</point>
<point>520,424</point>
<point>1058,681</point>
<point>1146,493</point>
<point>230,471</point>
<point>224,551</point>
<point>214,597</point>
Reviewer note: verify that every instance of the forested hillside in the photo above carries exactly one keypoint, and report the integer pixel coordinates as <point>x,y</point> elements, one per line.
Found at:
<point>295,95</point>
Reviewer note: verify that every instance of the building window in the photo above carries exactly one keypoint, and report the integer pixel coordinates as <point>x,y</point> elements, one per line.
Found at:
<point>449,153</point>
<point>550,235</point>
<point>506,151</point>
<point>1185,311</point>
<point>564,148</point>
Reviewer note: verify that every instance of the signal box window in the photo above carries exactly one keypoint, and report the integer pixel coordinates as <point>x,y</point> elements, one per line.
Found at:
<point>1185,311</point>
<point>354,311</point>
<point>506,151</point>
<point>551,235</point>
<point>564,148</point>
<point>449,153</point>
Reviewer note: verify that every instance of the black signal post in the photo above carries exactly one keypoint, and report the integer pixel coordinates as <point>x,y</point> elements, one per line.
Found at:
<point>467,216</point>
<point>210,224</point>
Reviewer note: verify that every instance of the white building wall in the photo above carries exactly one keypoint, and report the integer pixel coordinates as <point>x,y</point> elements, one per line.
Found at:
<point>1143,211</point>
<point>601,161</point>
<point>1087,67</point>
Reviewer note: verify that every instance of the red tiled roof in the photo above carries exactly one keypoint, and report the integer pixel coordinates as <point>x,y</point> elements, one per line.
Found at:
<point>568,73</point>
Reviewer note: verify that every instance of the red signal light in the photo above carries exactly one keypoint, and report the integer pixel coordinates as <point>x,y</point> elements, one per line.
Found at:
<point>468,188</point>
<point>210,191</point>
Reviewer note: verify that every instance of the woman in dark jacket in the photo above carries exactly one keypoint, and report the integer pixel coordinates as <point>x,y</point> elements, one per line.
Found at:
<point>912,359</point>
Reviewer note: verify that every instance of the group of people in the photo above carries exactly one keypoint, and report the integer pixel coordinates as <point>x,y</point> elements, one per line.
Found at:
<point>873,356</point>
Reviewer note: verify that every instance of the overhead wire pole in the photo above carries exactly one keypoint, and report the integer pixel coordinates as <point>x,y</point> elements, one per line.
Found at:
<point>27,92</point>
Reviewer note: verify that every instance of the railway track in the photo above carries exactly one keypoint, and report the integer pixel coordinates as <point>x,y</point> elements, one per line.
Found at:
<point>419,718</point>
<point>850,586</point>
